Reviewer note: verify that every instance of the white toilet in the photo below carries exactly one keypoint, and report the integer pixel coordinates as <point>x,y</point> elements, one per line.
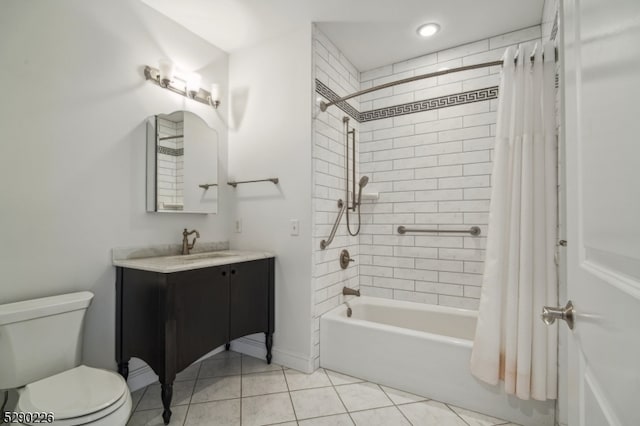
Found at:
<point>40,353</point>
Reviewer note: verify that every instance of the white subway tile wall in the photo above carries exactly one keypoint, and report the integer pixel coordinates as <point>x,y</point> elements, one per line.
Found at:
<point>170,170</point>
<point>335,71</point>
<point>432,170</point>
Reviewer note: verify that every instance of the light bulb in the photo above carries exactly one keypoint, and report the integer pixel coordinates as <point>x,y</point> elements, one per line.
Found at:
<point>427,30</point>
<point>167,69</point>
<point>215,92</point>
<point>193,84</point>
<point>215,95</point>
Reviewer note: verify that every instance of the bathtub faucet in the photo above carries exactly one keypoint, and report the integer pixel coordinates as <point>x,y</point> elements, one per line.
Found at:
<point>346,291</point>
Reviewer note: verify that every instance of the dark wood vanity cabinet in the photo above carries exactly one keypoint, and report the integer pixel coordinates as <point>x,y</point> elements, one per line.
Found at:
<point>169,320</point>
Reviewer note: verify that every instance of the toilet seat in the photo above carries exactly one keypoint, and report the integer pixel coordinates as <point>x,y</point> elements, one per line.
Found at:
<point>78,396</point>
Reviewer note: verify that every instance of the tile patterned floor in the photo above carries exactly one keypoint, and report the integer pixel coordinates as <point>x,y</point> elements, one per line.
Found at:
<point>234,389</point>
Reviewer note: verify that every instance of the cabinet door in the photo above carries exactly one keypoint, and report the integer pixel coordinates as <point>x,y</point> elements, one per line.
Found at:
<point>249,292</point>
<point>201,312</point>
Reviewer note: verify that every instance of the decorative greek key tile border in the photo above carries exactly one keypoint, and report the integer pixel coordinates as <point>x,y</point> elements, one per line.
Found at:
<point>471,96</point>
<point>330,95</point>
<point>429,104</point>
<point>175,152</point>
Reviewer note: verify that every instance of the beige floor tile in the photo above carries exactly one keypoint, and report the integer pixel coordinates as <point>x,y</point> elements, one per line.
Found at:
<point>363,396</point>
<point>256,365</point>
<point>400,397</point>
<point>431,413</point>
<point>181,395</point>
<point>216,388</point>
<point>337,420</point>
<point>136,397</point>
<point>474,418</point>
<point>189,373</point>
<point>220,367</point>
<point>298,380</point>
<point>226,354</point>
<point>267,409</point>
<point>380,417</point>
<point>316,402</point>
<point>263,383</point>
<point>341,379</point>
<point>217,413</point>
<point>154,417</point>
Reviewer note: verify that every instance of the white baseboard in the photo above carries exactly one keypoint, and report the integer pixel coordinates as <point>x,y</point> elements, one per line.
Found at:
<point>141,377</point>
<point>285,358</point>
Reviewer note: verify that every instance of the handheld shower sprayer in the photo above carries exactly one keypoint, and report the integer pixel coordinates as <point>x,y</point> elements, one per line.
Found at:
<point>364,180</point>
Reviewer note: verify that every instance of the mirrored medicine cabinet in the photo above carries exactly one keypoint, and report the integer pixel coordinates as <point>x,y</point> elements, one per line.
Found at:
<point>182,164</point>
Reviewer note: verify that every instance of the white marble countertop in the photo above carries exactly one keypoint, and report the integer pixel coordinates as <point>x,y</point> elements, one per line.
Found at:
<point>176,263</point>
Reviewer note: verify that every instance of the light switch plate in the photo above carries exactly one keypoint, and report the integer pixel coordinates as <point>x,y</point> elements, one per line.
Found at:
<point>238,226</point>
<point>294,227</point>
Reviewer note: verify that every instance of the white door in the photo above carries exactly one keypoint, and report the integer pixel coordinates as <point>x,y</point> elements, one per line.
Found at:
<point>602,136</point>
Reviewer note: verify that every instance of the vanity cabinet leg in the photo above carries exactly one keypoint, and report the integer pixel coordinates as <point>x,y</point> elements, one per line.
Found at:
<point>227,346</point>
<point>269,343</point>
<point>167,394</point>
<point>123,369</point>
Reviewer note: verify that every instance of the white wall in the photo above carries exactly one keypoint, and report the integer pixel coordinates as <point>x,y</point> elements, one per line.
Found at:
<point>432,169</point>
<point>270,136</point>
<point>72,113</point>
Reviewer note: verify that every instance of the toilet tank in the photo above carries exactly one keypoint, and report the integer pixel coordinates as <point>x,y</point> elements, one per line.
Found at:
<point>41,337</point>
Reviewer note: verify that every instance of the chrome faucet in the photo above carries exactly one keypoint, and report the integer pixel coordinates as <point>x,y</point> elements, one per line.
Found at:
<point>185,240</point>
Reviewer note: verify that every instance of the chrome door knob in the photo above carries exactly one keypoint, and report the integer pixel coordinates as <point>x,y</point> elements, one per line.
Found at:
<point>551,314</point>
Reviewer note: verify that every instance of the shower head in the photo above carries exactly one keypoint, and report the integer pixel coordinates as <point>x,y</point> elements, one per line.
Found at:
<point>364,180</point>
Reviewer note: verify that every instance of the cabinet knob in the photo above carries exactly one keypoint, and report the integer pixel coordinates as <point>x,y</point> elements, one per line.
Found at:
<point>233,271</point>
<point>224,273</point>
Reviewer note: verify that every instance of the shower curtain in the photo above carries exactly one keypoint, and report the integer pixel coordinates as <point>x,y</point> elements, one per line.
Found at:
<point>512,343</point>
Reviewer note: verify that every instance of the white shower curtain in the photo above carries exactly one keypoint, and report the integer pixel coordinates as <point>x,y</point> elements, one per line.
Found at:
<point>512,343</point>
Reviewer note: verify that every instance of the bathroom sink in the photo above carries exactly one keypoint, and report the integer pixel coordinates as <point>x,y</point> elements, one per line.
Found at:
<point>206,255</point>
<point>185,259</point>
<point>175,263</point>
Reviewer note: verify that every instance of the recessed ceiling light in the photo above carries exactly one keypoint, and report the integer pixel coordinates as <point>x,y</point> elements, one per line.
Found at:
<point>427,30</point>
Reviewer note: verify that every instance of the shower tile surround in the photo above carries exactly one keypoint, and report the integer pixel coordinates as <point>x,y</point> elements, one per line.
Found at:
<point>431,168</point>
<point>332,69</point>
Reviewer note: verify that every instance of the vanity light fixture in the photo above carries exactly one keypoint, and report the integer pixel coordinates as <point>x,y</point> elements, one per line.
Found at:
<point>188,85</point>
<point>427,30</point>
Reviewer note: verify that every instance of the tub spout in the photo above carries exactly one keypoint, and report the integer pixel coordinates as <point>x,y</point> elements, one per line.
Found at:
<point>346,291</point>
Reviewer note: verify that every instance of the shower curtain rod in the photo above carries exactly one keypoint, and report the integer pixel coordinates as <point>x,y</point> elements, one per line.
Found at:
<point>325,105</point>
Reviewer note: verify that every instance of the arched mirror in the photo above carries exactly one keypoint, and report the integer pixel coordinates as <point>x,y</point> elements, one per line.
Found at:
<point>182,164</point>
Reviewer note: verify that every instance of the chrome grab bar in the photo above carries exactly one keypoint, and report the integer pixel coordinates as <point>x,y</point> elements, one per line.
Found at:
<point>273,180</point>
<point>325,243</point>
<point>474,230</point>
<point>207,185</point>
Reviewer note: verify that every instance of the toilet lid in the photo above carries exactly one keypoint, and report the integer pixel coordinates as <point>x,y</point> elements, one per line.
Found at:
<point>73,393</point>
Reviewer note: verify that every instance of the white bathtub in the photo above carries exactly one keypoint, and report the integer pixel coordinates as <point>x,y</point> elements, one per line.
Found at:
<point>418,348</point>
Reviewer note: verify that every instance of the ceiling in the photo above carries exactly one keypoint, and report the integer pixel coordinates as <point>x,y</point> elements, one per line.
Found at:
<point>371,33</point>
